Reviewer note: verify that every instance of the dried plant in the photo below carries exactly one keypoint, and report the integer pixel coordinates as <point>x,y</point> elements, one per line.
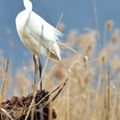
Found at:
<point>93,87</point>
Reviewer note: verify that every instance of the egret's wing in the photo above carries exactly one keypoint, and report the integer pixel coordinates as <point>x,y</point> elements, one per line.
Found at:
<point>44,29</point>
<point>44,33</point>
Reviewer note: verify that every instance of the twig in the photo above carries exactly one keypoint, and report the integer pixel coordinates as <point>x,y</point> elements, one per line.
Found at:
<point>108,97</point>
<point>59,91</point>
<point>59,20</point>
<point>31,105</point>
<point>96,18</point>
<point>70,48</point>
<point>52,91</point>
<point>4,80</point>
<point>3,110</point>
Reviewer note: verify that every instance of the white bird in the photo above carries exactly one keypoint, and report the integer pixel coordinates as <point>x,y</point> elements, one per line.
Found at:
<point>37,35</point>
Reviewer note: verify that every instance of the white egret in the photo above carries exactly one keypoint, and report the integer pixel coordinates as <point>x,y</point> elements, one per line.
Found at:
<point>37,35</point>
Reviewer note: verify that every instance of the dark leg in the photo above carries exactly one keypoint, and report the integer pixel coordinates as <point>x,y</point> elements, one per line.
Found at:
<point>36,72</point>
<point>40,72</point>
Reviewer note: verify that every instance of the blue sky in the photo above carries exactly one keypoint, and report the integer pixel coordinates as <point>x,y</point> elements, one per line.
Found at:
<point>78,14</point>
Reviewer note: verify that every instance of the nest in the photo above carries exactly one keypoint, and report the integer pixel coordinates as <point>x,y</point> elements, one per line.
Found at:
<point>35,106</point>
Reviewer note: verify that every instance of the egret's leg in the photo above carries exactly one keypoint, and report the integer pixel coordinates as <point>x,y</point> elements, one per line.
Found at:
<point>40,72</point>
<point>36,72</point>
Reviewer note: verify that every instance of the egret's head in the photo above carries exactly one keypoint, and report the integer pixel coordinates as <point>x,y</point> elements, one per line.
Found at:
<point>27,4</point>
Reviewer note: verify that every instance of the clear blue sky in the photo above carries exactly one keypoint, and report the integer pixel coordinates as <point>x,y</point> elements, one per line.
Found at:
<point>78,14</point>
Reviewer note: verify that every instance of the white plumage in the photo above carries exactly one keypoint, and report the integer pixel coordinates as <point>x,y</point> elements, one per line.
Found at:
<point>36,34</point>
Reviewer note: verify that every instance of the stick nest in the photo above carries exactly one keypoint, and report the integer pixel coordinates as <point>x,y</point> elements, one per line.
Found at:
<point>17,108</point>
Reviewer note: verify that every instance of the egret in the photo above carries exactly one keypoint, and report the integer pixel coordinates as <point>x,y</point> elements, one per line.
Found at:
<point>38,36</point>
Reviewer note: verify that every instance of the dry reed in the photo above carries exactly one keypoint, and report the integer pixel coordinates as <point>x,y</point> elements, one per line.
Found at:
<point>92,92</point>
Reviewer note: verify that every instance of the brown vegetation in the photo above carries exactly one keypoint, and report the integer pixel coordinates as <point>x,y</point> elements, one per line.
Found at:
<point>92,91</point>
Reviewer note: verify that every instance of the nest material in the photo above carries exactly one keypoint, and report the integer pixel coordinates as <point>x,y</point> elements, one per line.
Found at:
<point>23,108</point>
<point>17,108</point>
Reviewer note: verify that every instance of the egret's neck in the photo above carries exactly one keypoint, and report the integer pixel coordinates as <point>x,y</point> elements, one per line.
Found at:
<point>27,5</point>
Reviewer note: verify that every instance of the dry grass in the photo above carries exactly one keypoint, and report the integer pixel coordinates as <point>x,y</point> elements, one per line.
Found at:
<point>92,92</point>
<point>93,89</point>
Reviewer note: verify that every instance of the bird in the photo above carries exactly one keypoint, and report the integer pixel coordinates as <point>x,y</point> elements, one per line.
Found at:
<point>38,36</point>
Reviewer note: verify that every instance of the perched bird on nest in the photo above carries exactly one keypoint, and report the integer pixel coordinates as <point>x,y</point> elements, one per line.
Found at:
<point>38,36</point>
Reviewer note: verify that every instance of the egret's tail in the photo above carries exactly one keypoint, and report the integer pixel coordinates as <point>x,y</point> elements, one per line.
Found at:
<point>54,57</point>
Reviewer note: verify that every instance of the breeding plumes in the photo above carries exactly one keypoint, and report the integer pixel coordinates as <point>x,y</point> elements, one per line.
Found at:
<point>37,35</point>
